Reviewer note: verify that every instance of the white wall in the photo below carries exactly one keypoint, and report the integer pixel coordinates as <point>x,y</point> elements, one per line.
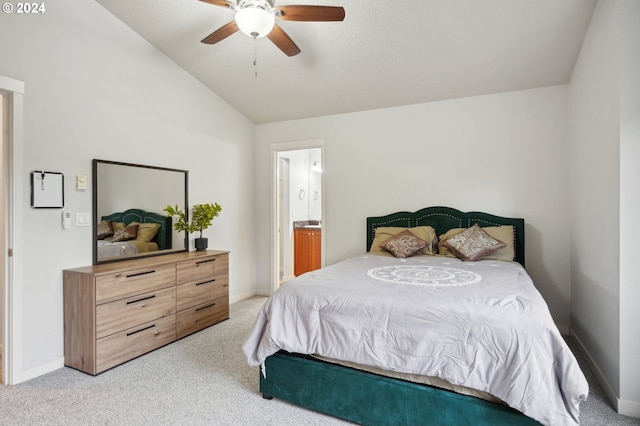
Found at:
<point>298,184</point>
<point>594,199</point>
<point>315,185</point>
<point>504,154</point>
<point>629,20</point>
<point>95,89</point>
<point>304,205</point>
<point>604,158</point>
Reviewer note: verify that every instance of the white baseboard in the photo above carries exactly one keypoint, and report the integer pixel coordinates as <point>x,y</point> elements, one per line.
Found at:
<point>629,408</point>
<point>41,369</point>
<point>56,364</point>
<point>622,406</point>
<point>242,296</point>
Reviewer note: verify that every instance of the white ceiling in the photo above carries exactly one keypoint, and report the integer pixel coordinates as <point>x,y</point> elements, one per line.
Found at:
<point>384,54</point>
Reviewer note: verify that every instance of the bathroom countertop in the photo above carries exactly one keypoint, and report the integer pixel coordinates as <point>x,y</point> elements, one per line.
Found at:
<point>307,224</point>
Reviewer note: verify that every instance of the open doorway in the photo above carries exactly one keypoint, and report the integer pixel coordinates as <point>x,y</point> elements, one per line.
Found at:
<point>299,209</point>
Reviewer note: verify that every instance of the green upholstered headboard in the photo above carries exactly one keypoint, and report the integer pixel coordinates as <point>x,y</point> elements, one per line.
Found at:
<point>162,238</point>
<point>444,218</point>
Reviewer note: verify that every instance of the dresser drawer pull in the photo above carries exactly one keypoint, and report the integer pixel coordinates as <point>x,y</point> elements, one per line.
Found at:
<point>206,282</point>
<point>205,261</point>
<point>140,273</point>
<point>140,300</point>
<point>142,329</point>
<point>205,307</point>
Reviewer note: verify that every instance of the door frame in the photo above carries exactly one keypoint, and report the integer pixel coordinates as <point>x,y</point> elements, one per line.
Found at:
<point>11,218</point>
<point>276,148</point>
<point>283,215</point>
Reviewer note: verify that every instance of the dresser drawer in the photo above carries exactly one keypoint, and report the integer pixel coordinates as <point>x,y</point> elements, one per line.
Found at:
<point>202,268</point>
<point>126,313</point>
<point>201,316</point>
<point>125,345</point>
<point>199,292</point>
<point>135,281</point>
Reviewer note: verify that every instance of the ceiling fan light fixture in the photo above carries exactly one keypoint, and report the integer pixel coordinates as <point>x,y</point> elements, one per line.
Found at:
<point>255,22</point>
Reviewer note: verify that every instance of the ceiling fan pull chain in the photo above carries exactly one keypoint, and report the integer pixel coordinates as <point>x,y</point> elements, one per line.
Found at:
<point>255,57</point>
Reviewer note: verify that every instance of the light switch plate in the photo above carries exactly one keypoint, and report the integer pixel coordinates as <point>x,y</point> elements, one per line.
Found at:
<point>83,219</point>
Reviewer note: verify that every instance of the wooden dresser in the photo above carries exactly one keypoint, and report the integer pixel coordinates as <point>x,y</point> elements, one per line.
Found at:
<point>117,311</point>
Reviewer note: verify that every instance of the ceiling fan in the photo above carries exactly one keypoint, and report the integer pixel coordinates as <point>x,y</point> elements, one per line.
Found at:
<point>256,18</point>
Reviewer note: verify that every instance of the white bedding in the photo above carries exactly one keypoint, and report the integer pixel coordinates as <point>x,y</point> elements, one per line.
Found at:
<point>477,324</point>
<point>110,249</point>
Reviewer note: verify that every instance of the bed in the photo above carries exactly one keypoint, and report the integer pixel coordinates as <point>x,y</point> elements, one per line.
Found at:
<point>133,231</point>
<point>349,339</point>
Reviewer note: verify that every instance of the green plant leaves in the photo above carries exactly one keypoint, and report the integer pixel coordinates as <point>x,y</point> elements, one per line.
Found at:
<point>202,216</point>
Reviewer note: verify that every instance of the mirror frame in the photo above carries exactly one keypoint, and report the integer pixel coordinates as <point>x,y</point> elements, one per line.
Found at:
<point>95,221</point>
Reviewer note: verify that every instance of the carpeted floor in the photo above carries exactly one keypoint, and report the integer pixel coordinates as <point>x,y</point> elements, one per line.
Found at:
<point>202,379</point>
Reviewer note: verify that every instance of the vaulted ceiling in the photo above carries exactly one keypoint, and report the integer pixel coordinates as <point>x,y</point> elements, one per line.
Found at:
<point>384,54</point>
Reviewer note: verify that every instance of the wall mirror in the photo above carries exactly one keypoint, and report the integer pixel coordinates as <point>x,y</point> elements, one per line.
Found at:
<point>128,210</point>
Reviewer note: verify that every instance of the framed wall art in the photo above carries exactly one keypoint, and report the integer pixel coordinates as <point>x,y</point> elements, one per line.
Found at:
<point>47,190</point>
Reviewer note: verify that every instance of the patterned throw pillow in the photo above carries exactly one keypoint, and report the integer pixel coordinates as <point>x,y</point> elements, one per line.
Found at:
<point>426,233</point>
<point>105,229</point>
<point>404,244</point>
<point>473,244</point>
<point>126,234</point>
<point>504,233</point>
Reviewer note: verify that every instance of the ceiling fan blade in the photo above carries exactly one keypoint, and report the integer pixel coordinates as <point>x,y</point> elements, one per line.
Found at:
<point>221,33</point>
<point>283,41</point>
<point>311,13</point>
<point>221,3</point>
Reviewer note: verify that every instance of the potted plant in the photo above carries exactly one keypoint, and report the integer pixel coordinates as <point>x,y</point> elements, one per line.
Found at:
<point>201,217</point>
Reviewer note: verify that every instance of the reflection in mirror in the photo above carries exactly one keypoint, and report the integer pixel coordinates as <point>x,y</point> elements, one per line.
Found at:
<point>128,210</point>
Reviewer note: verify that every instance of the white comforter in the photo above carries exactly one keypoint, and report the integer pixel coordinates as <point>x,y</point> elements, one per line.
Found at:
<point>477,324</point>
<point>110,249</point>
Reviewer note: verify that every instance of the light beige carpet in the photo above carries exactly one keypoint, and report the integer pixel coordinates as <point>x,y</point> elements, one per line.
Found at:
<point>202,379</point>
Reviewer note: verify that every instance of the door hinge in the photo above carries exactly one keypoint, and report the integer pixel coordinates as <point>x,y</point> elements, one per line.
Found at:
<point>10,252</point>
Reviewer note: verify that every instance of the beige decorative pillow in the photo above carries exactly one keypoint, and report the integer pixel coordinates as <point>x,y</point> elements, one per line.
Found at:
<point>404,244</point>
<point>146,231</point>
<point>118,226</point>
<point>105,230</point>
<point>504,233</point>
<point>126,234</point>
<point>473,244</point>
<point>425,233</point>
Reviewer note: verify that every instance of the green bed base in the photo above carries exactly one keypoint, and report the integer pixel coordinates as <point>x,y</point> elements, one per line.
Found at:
<point>369,399</point>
